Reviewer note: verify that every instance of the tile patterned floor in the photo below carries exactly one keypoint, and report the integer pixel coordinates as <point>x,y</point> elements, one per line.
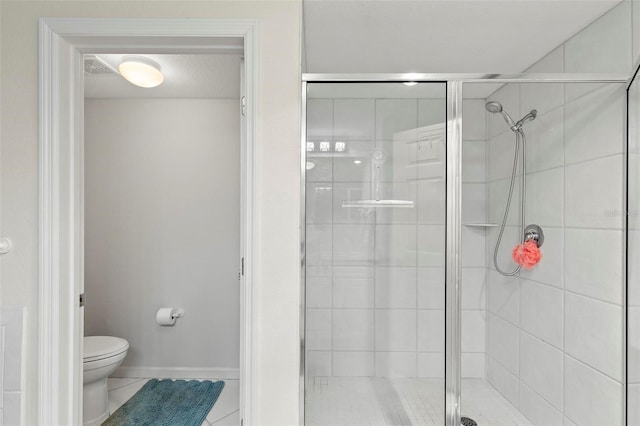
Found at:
<point>225,411</point>
<point>336,401</point>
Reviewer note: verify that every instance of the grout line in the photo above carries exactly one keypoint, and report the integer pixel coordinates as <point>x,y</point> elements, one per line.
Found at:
<point>224,417</point>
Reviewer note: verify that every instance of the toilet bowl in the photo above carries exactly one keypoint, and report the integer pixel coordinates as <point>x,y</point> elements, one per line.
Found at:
<point>102,356</point>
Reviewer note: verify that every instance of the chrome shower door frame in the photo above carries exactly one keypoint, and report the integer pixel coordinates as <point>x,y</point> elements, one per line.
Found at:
<point>453,261</point>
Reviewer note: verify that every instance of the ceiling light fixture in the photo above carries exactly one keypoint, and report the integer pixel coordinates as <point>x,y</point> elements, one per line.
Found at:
<point>141,71</point>
<point>410,83</point>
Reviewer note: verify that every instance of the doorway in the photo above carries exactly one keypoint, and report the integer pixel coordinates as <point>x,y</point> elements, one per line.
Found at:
<point>62,191</point>
<point>161,220</point>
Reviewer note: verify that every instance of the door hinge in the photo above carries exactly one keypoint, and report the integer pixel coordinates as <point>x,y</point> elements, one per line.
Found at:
<point>242,267</point>
<point>244,106</point>
<point>81,300</point>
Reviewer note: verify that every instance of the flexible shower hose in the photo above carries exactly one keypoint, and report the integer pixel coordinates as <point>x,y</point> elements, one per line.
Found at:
<point>520,143</point>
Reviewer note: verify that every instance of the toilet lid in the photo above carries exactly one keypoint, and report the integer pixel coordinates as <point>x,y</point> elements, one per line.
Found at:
<point>100,347</point>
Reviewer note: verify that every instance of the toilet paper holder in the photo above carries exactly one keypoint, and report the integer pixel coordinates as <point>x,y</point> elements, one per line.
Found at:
<point>168,316</point>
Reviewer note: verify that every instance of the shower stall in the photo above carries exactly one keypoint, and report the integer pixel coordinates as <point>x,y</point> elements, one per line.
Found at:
<point>467,254</point>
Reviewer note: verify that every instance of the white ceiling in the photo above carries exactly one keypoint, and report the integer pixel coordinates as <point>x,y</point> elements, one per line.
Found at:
<point>384,36</point>
<point>477,36</point>
<point>185,76</point>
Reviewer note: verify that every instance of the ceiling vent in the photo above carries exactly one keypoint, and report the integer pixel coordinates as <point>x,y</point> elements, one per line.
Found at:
<point>96,66</point>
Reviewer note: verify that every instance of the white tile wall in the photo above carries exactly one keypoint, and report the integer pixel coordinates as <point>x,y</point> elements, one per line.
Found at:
<point>430,205</point>
<point>353,119</point>
<point>544,136</point>
<point>358,364</point>
<point>353,330</point>
<point>595,273</point>
<point>375,296</point>
<point>593,334</point>
<point>537,409</point>
<point>353,287</point>
<point>590,121</point>
<point>396,245</point>
<point>593,193</point>
<point>431,243</point>
<point>473,365</point>
<point>473,330</point>
<point>545,198</point>
<point>319,119</point>
<point>474,122</point>
<point>504,297</point>
<point>318,363</point>
<point>396,329</point>
<point>474,288</point>
<point>396,115</point>
<point>504,344</point>
<point>541,311</point>
<point>396,364</point>
<point>498,195</point>
<point>567,370</point>
<point>431,289</point>
<point>396,287</point>
<point>474,203</point>
<point>474,167</point>
<point>502,148</point>
<point>353,244</point>
<point>431,324</point>
<point>431,364</point>
<point>541,369</point>
<point>505,382</point>
<point>318,329</point>
<point>555,332</point>
<point>590,397</point>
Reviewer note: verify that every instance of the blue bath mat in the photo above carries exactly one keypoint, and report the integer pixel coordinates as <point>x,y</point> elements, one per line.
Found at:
<point>168,403</point>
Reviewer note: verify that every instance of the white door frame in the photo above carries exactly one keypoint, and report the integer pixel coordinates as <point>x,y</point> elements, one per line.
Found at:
<point>62,44</point>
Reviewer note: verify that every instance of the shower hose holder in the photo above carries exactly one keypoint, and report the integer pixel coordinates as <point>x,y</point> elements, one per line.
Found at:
<point>534,232</point>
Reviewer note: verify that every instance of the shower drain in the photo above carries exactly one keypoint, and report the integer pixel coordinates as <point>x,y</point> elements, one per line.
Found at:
<point>466,421</point>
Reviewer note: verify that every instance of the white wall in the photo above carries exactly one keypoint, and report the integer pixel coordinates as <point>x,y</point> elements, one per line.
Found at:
<point>555,332</point>
<point>162,211</point>
<point>277,299</point>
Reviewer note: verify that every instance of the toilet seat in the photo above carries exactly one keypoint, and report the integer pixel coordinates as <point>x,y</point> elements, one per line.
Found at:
<point>102,347</point>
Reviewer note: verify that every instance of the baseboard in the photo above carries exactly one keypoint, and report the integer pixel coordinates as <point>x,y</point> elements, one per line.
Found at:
<point>177,373</point>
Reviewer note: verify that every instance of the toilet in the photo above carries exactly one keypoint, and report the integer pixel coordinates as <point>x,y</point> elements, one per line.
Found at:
<point>102,356</point>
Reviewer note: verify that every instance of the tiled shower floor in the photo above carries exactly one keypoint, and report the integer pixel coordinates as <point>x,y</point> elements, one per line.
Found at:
<point>225,411</point>
<point>334,401</point>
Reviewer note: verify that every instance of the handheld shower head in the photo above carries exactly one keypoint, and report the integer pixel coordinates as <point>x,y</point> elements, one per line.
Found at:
<point>495,108</point>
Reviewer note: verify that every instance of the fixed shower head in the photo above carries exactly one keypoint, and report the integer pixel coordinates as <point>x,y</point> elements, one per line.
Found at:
<point>496,108</point>
<point>493,107</point>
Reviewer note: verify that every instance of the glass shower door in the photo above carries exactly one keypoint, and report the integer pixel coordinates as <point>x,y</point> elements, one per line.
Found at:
<point>375,243</point>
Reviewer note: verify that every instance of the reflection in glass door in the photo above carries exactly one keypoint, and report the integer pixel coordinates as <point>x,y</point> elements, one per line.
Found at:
<point>375,241</point>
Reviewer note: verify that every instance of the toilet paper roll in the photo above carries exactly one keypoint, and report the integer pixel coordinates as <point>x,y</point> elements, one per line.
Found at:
<point>166,316</point>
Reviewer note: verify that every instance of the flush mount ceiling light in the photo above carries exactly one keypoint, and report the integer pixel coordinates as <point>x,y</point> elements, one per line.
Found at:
<point>410,83</point>
<point>141,71</point>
